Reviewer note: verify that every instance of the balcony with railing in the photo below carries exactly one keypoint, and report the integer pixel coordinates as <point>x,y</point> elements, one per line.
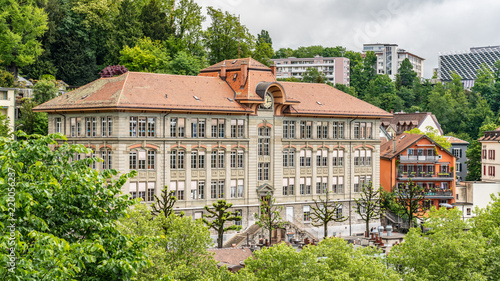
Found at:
<point>418,159</point>
<point>425,176</point>
<point>436,193</point>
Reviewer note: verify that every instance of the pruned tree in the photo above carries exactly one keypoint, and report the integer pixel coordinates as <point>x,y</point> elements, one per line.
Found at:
<point>369,204</point>
<point>219,215</point>
<point>325,211</point>
<point>113,70</point>
<point>270,215</point>
<point>164,206</point>
<point>411,198</point>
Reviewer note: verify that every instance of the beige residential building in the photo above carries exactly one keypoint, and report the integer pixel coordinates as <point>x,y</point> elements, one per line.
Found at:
<point>8,105</point>
<point>232,132</point>
<point>489,163</point>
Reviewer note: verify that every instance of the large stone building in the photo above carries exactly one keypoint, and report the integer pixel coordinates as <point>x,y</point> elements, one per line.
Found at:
<point>232,132</point>
<point>390,57</point>
<point>335,69</point>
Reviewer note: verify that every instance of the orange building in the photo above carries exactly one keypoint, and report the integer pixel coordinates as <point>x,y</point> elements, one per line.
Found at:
<point>424,161</point>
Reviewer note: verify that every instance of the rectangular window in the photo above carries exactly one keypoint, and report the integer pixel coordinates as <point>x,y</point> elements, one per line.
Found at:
<point>218,128</point>
<point>302,186</point>
<point>94,126</point>
<point>110,126</point>
<point>151,159</point>
<point>266,171</point>
<point>88,125</point>
<point>213,190</point>
<point>240,188</point>
<point>356,130</point>
<point>78,127</point>
<point>194,190</point>
<point>142,127</point>
<point>178,187</point>
<point>233,189</point>
<point>133,126</point>
<point>233,159</point>
<point>58,125</point>
<point>142,191</point>
<point>133,190</point>
<point>308,185</point>
<point>339,213</point>
<point>133,160</point>
<point>302,158</point>
<point>260,171</point>
<point>194,128</point>
<point>104,126</point>
<point>356,184</point>
<point>286,129</point>
<point>151,127</point>
<point>201,190</point>
<point>73,126</point>
<point>221,189</point>
<point>151,191</point>
<point>141,160</point>
<point>322,130</point>
<point>307,213</point>
<point>240,159</point>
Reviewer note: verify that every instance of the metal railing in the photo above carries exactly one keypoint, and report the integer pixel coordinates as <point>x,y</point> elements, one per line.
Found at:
<point>418,158</point>
<point>424,175</point>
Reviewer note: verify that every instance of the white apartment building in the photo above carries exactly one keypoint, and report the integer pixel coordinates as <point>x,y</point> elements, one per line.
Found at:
<point>335,69</point>
<point>233,132</point>
<point>390,57</point>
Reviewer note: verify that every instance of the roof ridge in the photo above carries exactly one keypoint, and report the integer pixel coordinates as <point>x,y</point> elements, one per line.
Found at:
<point>121,90</point>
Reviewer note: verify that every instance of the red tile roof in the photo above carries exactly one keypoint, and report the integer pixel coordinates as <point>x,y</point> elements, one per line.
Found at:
<point>403,141</point>
<point>210,93</point>
<point>321,99</point>
<point>231,256</point>
<point>491,135</point>
<point>454,140</point>
<point>412,119</point>
<point>160,92</point>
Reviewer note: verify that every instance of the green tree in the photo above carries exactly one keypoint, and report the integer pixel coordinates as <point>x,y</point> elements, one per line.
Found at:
<point>22,23</point>
<point>313,75</point>
<point>282,262</point>
<point>218,216</point>
<point>164,206</point>
<point>406,73</point>
<point>179,255</point>
<point>5,130</point>
<point>146,56</point>
<point>344,88</point>
<point>283,53</point>
<point>155,20</point>
<point>346,263</point>
<point>263,49</point>
<point>6,79</point>
<point>32,122</point>
<point>269,217</point>
<point>185,64</point>
<point>411,199</point>
<point>487,223</point>
<point>325,211</point>
<point>447,252</point>
<point>64,213</point>
<point>226,37</point>
<point>45,90</point>
<point>432,134</point>
<point>369,204</point>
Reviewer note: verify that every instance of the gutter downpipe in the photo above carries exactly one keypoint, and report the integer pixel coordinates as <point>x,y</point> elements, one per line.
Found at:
<point>350,175</point>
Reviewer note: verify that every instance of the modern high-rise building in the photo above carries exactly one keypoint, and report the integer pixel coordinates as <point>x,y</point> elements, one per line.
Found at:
<point>335,69</point>
<point>466,64</point>
<point>233,133</point>
<point>390,57</point>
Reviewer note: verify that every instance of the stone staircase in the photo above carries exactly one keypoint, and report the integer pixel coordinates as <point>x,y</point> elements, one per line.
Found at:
<point>240,238</point>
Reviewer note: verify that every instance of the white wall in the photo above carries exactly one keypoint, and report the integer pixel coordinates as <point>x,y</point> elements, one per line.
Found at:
<point>428,121</point>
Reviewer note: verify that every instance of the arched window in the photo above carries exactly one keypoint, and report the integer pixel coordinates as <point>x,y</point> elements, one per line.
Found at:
<point>197,159</point>
<point>237,158</point>
<point>362,157</point>
<point>322,158</point>
<point>177,158</point>
<point>289,157</point>
<point>338,158</point>
<point>217,159</point>
<point>305,158</point>
<point>107,159</point>
<point>142,159</point>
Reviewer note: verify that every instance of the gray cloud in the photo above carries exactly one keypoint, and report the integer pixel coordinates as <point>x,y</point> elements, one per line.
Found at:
<point>424,28</point>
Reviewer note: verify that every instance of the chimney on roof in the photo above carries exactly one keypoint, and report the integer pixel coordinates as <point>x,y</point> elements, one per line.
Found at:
<point>244,72</point>
<point>394,144</point>
<point>273,69</point>
<point>223,71</point>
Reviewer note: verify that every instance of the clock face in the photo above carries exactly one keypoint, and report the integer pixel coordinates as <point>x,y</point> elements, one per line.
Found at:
<point>268,101</point>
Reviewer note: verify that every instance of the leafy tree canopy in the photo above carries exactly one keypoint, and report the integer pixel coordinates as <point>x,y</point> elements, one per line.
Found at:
<point>432,134</point>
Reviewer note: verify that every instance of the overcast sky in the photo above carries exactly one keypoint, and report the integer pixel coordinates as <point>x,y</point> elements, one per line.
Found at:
<point>424,27</point>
